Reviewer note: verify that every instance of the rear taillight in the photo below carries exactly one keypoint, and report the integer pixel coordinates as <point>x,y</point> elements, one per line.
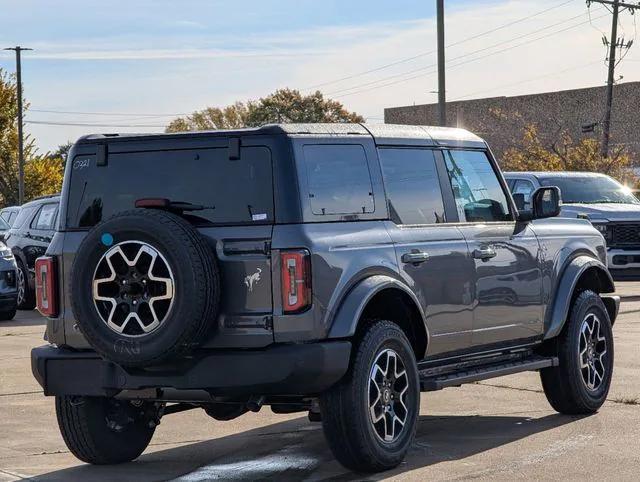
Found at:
<point>296,280</point>
<point>46,293</point>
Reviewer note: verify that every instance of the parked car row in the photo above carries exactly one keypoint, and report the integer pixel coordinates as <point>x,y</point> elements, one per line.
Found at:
<point>26,232</point>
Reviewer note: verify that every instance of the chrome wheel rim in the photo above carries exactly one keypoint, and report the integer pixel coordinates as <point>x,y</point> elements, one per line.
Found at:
<point>592,352</point>
<point>133,288</point>
<point>21,286</point>
<point>388,389</point>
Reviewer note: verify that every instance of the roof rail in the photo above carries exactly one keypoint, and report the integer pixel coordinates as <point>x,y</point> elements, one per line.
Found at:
<point>47,196</point>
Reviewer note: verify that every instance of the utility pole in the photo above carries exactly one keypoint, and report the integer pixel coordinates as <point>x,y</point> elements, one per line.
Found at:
<point>613,45</point>
<point>442,86</point>
<point>18,50</point>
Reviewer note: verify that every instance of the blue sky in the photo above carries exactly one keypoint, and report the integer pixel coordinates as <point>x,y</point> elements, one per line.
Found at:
<point>172,57</point>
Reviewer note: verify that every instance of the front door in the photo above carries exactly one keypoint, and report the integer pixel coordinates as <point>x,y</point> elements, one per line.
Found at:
<point>508,279</point>
<point>432,255</point>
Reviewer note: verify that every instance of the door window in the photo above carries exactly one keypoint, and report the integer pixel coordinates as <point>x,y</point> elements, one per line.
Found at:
<point>477,191</point>
<point>412,186</point>
<point>45,218</point>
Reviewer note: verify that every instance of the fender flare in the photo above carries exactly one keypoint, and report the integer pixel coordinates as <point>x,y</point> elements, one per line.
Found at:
<point>345,321</point>
<point>566,286</point>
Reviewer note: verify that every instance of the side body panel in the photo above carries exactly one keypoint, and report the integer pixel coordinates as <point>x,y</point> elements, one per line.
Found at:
<point>442,285</point>
<point>562,241</point>
<point>508,287</point>
<point>342,255</point>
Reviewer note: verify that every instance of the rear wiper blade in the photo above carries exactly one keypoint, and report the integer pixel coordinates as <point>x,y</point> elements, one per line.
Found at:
<point>163,203</point>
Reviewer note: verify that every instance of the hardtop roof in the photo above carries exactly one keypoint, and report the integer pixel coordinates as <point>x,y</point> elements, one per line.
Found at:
<point>383,134</point>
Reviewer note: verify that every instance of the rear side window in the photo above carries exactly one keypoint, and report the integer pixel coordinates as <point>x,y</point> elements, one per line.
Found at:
<point>338,178</point>
<point>478,193</point>
<point>24,215</point>
<point>45,217</point>
<point>230,192</point>
<point>412,186</point>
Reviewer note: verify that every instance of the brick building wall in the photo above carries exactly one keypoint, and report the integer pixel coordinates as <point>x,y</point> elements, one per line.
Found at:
<point>500,120</point>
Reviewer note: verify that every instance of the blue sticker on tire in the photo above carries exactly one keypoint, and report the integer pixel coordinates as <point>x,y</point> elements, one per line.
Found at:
<point>107,239</point>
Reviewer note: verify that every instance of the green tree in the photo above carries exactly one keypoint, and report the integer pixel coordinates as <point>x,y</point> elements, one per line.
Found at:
<point>43,175</point>
<point>284,105</point>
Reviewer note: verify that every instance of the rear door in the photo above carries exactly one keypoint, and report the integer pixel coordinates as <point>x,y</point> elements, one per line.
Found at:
<point>234,189</point>
<point>38,233</point>
<point>508,278</point>
<point>432,254</point>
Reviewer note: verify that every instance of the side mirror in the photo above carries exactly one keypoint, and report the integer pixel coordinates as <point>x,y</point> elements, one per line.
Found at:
<point>546,202</point>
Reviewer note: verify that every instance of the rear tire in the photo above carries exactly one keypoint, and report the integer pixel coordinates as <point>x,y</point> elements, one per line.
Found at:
<point>368,393</point>
<point>580,384</point>
<point>103,431</point>
<point>26,296</point>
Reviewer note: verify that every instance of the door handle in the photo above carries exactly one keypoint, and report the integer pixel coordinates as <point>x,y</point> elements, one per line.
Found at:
<point>415,257</point>
<point>484,253</point>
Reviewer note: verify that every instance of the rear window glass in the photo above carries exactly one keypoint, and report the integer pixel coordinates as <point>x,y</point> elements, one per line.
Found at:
<point>229,191</point>
<point>339,179</point>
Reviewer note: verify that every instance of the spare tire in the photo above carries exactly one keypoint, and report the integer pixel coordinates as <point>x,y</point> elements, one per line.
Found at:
<point>145,287</point>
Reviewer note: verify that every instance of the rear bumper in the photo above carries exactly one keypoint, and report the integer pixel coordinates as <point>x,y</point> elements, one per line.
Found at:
<point>304,369</point>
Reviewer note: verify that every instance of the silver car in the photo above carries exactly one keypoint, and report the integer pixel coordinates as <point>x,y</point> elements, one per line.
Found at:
<point>610,206</point>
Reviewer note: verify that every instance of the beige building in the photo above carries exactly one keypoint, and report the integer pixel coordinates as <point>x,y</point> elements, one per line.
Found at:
<point>500,119</point>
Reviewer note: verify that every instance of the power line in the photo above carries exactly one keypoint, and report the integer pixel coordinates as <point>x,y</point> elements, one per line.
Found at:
<point>424,54</point>
<point>83,124</point>
<point>532,79</point>
<point>465,62</point>
<point>484,49</point>
<point>119,114</point>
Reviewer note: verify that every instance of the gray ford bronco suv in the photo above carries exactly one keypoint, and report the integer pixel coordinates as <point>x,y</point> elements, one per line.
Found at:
<point>338,270</point>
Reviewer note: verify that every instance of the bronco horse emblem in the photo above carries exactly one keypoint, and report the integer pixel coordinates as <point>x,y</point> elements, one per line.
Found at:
<point>252,278</point>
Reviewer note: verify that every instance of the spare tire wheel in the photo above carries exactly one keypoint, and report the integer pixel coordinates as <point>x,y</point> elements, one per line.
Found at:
<point>145,287</point>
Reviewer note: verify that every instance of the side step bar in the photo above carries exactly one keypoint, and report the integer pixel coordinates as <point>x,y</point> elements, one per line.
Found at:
<point>438,382</point>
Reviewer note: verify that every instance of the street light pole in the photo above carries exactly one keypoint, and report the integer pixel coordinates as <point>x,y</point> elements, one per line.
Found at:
<point>18,50</point>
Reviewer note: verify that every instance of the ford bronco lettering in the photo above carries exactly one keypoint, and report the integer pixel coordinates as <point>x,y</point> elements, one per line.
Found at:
<point>337,270</point>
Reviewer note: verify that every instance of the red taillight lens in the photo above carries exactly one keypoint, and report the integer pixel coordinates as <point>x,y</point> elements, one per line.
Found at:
<point>296,280</point>
<point>46,293</point>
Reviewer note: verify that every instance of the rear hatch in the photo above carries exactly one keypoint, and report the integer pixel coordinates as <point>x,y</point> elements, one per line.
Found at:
<point>233,186</point>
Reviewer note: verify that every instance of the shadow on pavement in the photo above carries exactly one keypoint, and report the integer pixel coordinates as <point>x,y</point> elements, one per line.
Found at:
<point>296,450</point>
<point>25,318</point>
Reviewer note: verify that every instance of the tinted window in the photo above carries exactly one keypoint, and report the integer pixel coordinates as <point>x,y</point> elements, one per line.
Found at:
<point>477,190</point>
<point>45,217</point>
<point>24,215</point>
<point>591,189</point>
<point>412,186</point>
<point>339,179</point>
<point>228,191</point>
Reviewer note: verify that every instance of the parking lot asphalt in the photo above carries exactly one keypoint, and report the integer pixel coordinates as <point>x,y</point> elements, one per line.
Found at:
<point>501,429</point>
